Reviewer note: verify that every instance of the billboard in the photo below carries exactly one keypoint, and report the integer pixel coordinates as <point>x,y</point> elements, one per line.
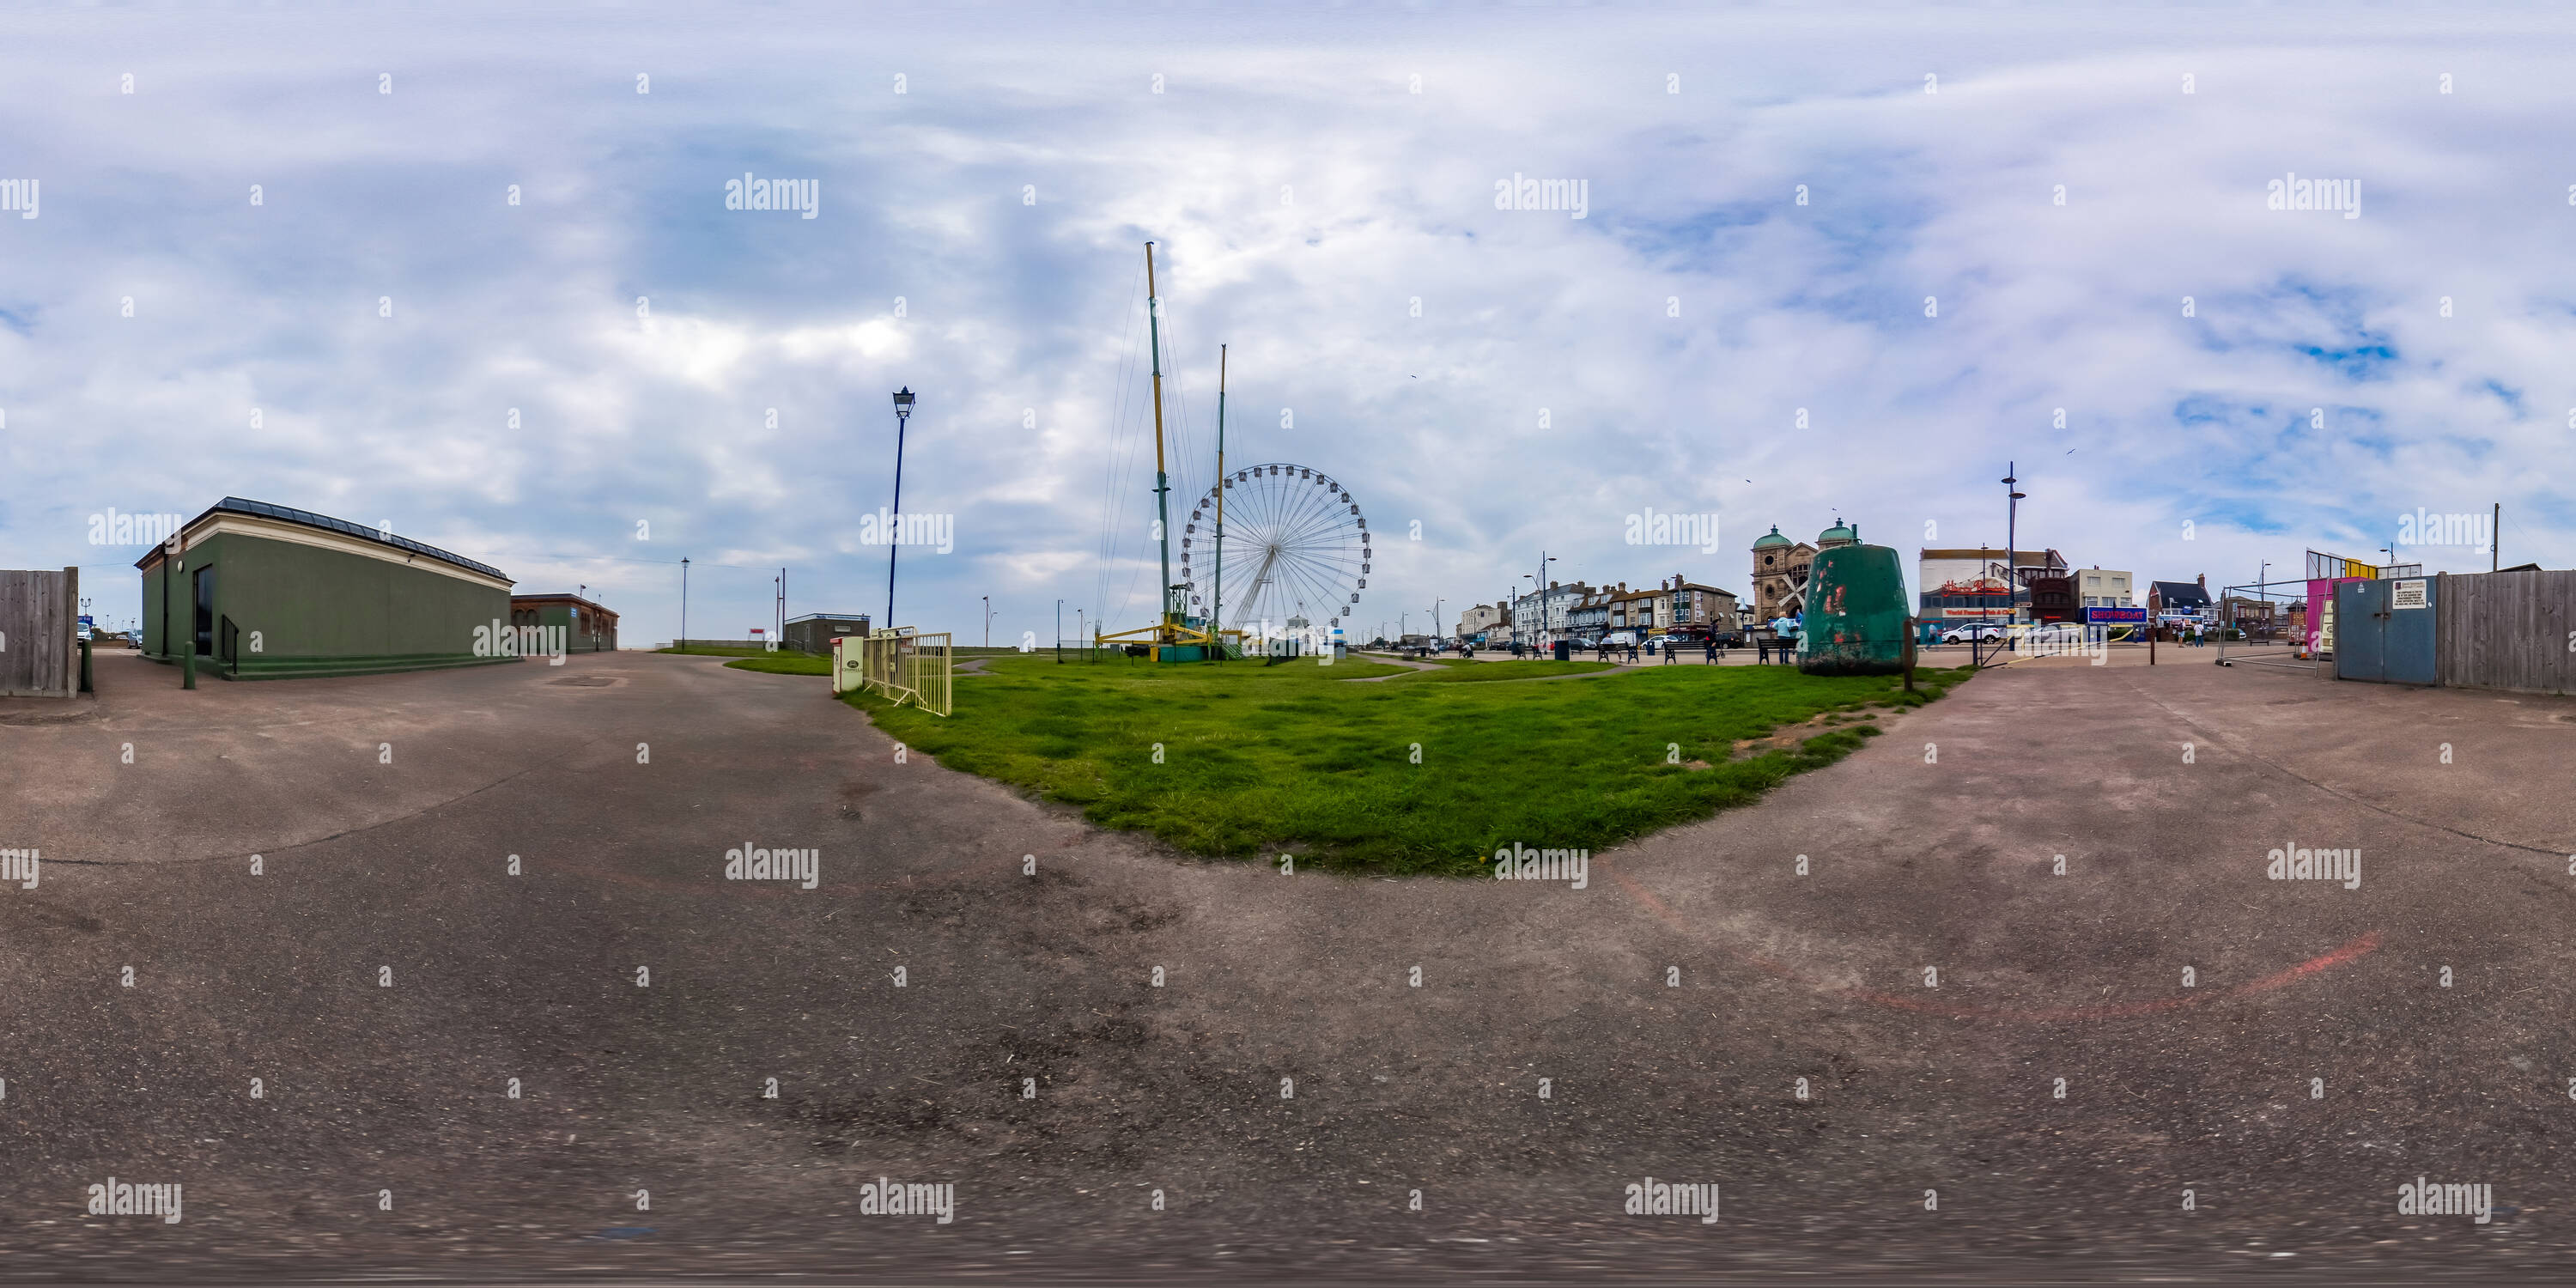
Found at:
<point>2115,616</point>
<point>1975,587</point>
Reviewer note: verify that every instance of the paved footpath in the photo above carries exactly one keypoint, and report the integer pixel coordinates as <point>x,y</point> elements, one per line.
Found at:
<point>1287,1088</point>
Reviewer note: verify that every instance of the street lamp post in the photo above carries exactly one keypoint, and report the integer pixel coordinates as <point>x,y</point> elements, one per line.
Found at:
<point>988,621</point>
<point>2012,549</point>
<point>1059,632</point>
<point>684,605</point>
<point>902,416</point>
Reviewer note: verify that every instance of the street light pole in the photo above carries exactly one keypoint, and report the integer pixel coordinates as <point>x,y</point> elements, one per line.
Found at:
<point>903,399</point>
<point>2012,541</point>
<point>988,621</point>
<point>684,605</point>
<point>1059,632</point>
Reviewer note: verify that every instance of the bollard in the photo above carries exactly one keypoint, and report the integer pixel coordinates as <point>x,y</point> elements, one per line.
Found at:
<point>84,680</point>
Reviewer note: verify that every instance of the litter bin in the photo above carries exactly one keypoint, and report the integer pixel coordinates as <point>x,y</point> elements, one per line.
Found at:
<point>1565,650</point>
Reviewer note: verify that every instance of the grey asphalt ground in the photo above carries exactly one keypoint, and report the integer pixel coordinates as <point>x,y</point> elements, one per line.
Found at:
<point>1672,1006</point>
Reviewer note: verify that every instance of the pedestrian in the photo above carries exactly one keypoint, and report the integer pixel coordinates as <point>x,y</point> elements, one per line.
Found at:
<point>1763,643</point>
<point>1632,653</point>
<point>1669,650</point>
<point>1710,651</point>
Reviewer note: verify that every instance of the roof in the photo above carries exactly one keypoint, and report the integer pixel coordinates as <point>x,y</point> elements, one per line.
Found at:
<point>1841,531</point>
<point>829,617</point>
<point>307,518</point>
<point>2179,592</point>
<point>562,597</point>
<point>1773,539</point>
<point>2020,557</point>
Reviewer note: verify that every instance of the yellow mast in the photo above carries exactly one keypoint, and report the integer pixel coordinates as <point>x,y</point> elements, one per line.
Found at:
<point>1162,480</point>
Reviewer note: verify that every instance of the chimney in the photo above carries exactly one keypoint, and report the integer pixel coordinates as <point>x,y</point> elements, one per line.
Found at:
<point>2204,581</point>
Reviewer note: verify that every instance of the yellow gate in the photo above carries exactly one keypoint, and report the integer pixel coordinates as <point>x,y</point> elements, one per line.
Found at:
<point>906,667</point>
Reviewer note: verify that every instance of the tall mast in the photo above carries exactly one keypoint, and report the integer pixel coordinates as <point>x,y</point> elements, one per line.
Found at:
<point>1216,617</point>
<point>1162,480</point>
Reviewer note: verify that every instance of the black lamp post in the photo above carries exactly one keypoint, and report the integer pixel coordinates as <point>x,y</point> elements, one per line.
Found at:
<point>902,416</point>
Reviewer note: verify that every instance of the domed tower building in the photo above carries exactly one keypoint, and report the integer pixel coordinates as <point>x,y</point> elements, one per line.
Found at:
<point>1780,568</point>
<point>1841,534</point>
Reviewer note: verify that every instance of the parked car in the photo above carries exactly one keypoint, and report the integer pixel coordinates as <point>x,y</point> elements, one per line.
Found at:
<point>1972,632</point>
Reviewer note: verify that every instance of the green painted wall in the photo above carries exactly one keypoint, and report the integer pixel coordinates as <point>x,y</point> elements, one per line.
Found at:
<point>323,612</point>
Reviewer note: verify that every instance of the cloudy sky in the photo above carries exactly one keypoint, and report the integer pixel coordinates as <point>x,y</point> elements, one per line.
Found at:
<point>2005,212</point>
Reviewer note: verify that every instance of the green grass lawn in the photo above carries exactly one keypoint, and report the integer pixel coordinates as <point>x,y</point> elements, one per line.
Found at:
<point>1471,672</point>
<point>1260,760</point>
<point>783,663</point>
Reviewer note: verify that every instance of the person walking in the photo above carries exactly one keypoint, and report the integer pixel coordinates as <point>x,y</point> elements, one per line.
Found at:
<point>1710,650</point>
<point>1762,643</point>
<point>1632,653</point>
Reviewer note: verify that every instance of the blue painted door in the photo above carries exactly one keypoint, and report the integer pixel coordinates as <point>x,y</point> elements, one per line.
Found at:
<point>2384,631</point>
<point>2406,653</point>
<point>2361,631</point>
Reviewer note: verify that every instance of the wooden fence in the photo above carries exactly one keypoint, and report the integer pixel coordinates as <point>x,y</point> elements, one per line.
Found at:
<point>2508,630</point>
<point>38,611</point>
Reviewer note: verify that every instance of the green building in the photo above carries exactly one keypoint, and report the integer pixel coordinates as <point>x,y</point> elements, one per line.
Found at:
<point>263,592</point>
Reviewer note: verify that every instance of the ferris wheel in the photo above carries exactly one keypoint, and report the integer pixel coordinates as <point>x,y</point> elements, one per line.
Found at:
<point>1296,547</point>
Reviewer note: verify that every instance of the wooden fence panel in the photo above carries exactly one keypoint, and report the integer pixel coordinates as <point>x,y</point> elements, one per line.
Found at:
<point>38,611</point>
<point>2508,630</point>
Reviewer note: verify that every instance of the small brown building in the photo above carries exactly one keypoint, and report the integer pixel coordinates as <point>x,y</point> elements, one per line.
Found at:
<point>587,627</point>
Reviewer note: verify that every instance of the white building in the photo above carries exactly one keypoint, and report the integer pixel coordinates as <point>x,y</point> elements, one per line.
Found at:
<point>2099,587</point>
<point>1544,618</point>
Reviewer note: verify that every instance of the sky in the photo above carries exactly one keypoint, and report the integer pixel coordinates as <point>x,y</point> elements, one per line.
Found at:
<point>1847,262</point>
